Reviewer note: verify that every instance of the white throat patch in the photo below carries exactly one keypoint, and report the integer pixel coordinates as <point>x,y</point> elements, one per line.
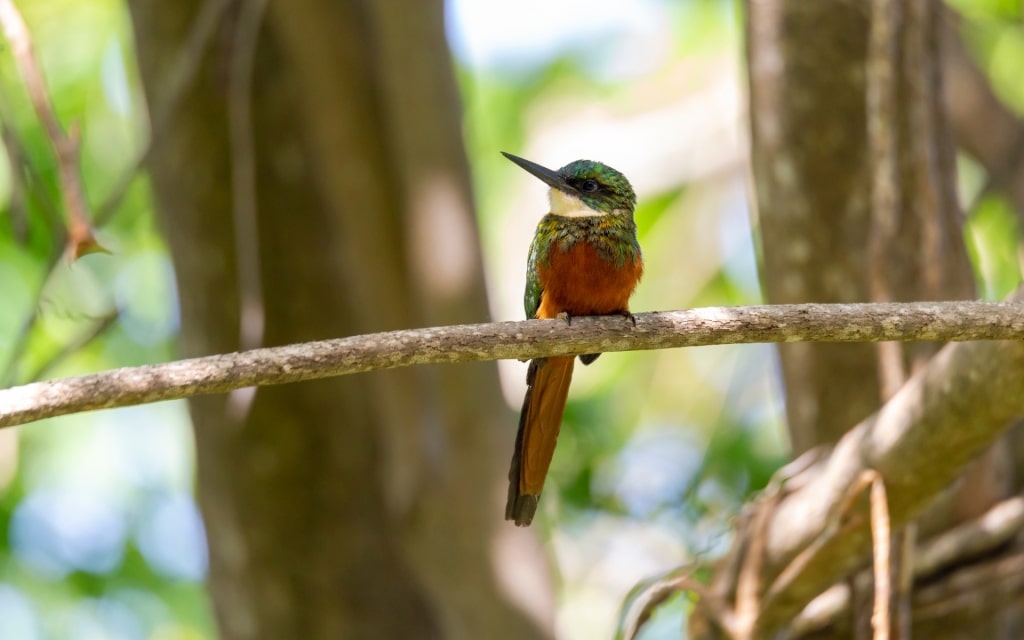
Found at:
<point>569,206</point>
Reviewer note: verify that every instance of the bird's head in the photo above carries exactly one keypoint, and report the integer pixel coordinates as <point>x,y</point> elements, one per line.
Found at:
<point>583,188</point>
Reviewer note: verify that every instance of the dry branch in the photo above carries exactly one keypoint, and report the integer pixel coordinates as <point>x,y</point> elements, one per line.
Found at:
<point>945,321</point>
<point>919,443</point>
<point>946,554</point>
<point>65,146</point>
<point>881,537</point>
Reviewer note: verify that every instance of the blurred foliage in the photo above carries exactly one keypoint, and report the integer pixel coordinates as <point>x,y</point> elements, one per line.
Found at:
<point>658,449</point>
<point>994,29</point>
<point>993,232</point>
<point>101,537</point>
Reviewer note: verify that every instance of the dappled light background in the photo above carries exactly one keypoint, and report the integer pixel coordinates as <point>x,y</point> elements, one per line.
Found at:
<point>100,536</point>
<point>658,449</point>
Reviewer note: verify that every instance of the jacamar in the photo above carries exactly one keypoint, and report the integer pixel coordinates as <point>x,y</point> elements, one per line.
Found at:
<point>584,260</point>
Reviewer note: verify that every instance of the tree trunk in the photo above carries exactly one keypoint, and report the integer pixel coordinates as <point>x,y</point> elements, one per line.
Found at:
<point>854,177</point>
<point>333,199</point>
<point>812,180</point>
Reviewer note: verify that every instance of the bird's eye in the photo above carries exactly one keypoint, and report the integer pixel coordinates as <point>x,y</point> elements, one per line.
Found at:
<point>589,186</point>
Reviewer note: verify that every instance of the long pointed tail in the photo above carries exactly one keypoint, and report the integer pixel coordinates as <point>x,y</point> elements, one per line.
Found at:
<point>547,383</point>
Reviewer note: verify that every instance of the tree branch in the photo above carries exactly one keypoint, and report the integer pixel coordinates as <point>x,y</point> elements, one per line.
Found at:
<point>919,442</point>
<point>65,146</point>
<point>943,321</point>
<point>937,562</point>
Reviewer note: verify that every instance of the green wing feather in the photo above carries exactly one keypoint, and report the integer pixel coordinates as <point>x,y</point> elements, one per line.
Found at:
<point>531,297</point>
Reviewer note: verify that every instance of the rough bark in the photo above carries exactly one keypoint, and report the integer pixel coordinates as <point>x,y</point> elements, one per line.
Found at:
<point>964,399</point>
<point>846,105</point>
<point>523,340</point>
<point>811,178</point>
<point>362,507</point>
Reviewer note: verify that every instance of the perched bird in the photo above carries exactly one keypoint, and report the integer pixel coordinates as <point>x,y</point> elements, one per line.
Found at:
<point>584,260</point>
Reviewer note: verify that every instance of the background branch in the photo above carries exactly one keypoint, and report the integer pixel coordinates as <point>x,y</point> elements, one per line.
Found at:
<point>951,410</point>
<point>65,146</point>
<point>943,321</point>
<point>936,563</point>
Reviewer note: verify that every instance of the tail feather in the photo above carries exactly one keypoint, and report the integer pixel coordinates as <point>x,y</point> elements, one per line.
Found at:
<point>547,383</point>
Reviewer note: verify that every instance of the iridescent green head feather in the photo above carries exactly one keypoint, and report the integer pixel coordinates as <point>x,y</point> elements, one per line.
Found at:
<point>583,188</point>
<point>599,186</point>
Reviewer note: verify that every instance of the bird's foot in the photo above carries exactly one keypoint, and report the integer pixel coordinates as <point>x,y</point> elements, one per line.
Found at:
<point>629,316</point>
<point>565,315</point>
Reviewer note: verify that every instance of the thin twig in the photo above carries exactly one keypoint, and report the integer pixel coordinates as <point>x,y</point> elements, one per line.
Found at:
<point>24,172</point>
<point>748,584</point>
<point>973,590</point>
<point>243,174</point>
<point>992,529</point>
<point>954,548</point>
<point>646,598</point>
<point>742,566</point>
<point>883,137</point>
<point>837,519</point>
<point>18,199</point>
<point>881,536</point>
<point>907,552</point>
<point>944,321</point>
<point>20,344</point>
<point>79,342</point>
<point>244,199</point>
<point>65,146</point>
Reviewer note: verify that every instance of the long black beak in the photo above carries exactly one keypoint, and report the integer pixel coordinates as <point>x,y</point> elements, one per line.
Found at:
<point>549,177</point>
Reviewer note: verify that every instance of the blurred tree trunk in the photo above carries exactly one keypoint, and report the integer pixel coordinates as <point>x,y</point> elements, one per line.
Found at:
<point>812,179</point>
<point>855,183</point>
<point>363,507</point>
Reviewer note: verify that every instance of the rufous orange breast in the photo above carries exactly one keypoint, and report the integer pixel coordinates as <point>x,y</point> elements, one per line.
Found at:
<point>583,282</point>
